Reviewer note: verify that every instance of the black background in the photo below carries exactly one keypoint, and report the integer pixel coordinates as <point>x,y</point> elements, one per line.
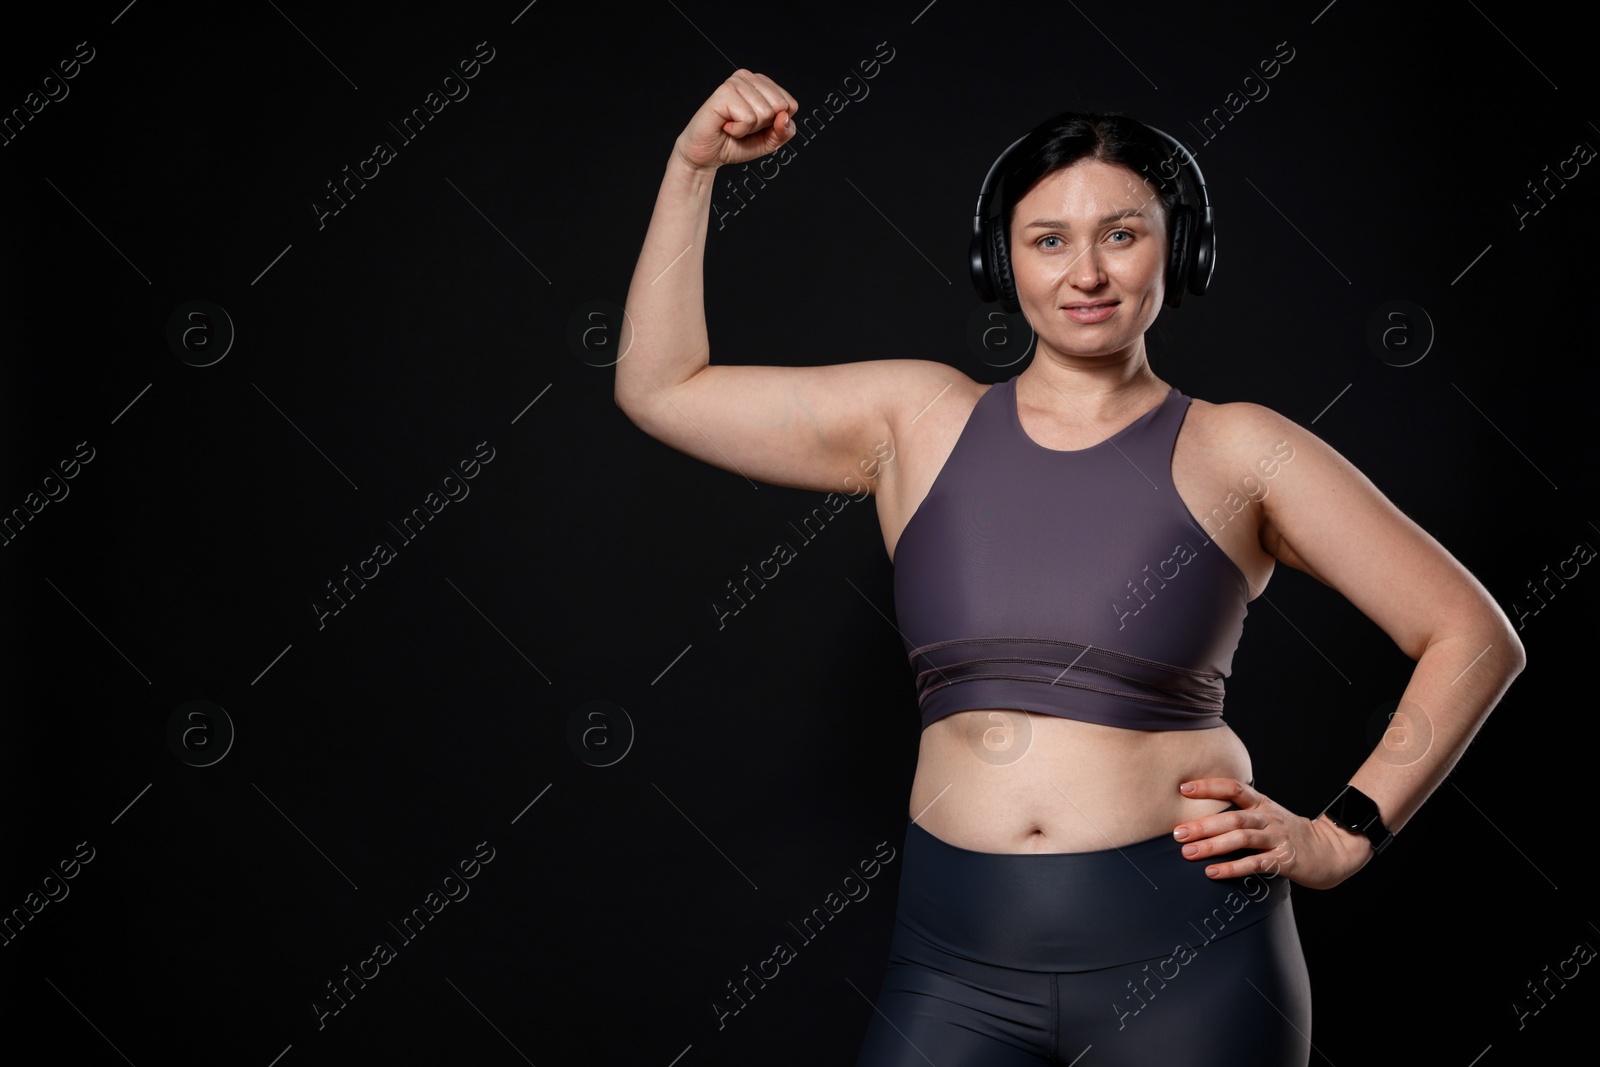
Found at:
<point>770,757</point>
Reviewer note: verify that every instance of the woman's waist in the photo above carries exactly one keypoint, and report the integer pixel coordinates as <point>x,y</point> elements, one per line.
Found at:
<point>1006,781</point>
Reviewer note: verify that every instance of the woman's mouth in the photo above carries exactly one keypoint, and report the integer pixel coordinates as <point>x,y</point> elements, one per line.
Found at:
<point>1094,311</point>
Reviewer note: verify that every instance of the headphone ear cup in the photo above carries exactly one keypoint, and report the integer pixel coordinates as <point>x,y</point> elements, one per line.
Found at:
<point>978,265</point>
<point>1005,286</point>
<point>1179,256</point>
<point>1205,254</point>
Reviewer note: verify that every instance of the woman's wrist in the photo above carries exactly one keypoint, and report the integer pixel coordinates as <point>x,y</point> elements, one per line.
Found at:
<point>1355,849</point>
<point>681,164</point>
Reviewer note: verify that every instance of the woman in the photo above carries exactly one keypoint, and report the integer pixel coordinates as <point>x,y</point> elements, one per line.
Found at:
<point>1073,556</point>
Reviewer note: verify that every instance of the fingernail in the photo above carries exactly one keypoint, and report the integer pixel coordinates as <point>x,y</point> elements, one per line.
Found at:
<point>1186,787</point>
<point>1181,833</point>
<point>1190,850</point>
<point>1211,872</point>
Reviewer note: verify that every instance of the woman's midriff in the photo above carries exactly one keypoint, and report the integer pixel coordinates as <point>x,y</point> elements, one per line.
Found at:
<point>1013,781</point>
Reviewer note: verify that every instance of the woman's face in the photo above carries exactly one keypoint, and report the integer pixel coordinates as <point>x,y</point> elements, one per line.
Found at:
<point>1089,255</point>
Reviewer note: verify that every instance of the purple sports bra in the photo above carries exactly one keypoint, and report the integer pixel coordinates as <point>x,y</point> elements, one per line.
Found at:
<point>1071,583</point>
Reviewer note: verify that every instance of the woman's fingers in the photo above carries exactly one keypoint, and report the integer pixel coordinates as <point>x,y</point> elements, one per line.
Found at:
<point>1214,841</point>
<point>1270,864</point>
<point>1257,823</point>
<point>747,117</point>
<point>762,100</point>
<point>1311,852</point>
<point>1220,789</point>
<point>744,106</point>
<point>759,122</point>
<point>1272,851</point>
<point>1218,822</point>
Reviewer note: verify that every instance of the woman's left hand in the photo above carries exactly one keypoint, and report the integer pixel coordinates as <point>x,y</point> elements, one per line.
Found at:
<point>1314,853</point>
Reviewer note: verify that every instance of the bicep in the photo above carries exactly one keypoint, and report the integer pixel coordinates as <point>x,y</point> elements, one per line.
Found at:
<point>802,427</point>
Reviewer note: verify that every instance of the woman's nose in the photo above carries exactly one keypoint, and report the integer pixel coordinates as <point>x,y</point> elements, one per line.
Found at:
<point>1085,270</point>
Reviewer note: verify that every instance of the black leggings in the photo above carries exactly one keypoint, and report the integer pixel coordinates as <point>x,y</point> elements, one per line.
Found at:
<point>1124,956</point>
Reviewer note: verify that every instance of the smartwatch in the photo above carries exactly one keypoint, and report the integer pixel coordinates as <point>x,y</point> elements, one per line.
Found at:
<point>1354,811</point>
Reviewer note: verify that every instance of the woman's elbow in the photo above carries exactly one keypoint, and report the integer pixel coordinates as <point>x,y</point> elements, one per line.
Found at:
<point>1517,655</point>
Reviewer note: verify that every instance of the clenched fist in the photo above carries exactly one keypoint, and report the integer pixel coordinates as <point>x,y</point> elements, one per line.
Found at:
<point>747,117</point>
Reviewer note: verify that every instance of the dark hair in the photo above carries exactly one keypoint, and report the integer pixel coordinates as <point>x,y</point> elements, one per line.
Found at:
<point>1073,136</point>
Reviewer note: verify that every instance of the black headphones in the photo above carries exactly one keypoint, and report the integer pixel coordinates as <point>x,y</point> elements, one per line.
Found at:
<point>1191,259</point>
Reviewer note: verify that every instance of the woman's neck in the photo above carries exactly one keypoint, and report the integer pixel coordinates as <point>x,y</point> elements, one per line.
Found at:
<point>1101,388</point>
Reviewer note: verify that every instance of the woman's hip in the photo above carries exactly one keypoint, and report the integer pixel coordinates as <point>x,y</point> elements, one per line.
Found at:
<point>1071,911</point>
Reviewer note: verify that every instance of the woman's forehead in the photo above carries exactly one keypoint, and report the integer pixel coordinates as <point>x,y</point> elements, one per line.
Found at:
<point>1090,187</point>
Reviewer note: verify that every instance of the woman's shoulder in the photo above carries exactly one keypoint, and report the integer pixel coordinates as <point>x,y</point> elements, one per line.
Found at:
<point>1240,419</point>
<point>932,370</point>
<point>923,385</point>
<point>1243,436</point>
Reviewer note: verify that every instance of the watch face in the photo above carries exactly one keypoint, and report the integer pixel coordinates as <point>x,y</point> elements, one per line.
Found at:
<point>1354,810</point>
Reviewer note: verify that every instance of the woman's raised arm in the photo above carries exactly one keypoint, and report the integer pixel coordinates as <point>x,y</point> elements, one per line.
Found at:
<point>804,427</point>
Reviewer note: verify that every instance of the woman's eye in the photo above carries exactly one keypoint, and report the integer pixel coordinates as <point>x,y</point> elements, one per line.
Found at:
<point>1049,237</point>
<point>1121,233</point>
